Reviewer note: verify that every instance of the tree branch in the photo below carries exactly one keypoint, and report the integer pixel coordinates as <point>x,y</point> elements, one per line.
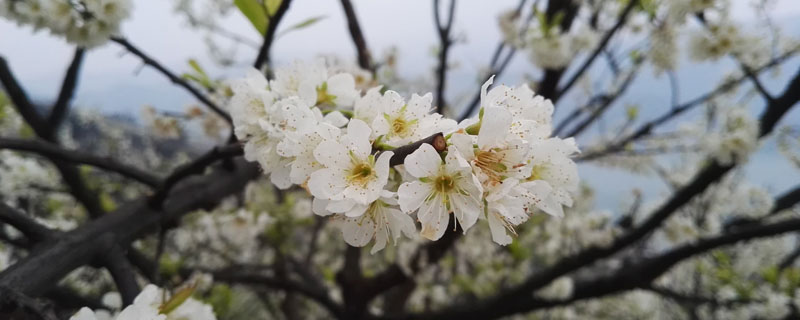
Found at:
<point>443,30</point>
<point>269,36</point>
<point>70,174</point>
<point>436,140</point>
<point>33,230</point>
<point>43,268</point>
<point>197,166</point>
<point>54,152</point>
<point>499,304</point>
<point>493,67</point>
<point>174,78</point>
<point>123,274</point>
<point>364,56</point>
<point>59,110</point>
<point>600,47</point>
<point>648,127</point>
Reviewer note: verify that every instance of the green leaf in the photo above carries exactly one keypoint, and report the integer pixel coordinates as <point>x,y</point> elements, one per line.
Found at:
<point>256,12</point>
<point>303,24</point>
<point>196,66</point>
<point>176,300</point>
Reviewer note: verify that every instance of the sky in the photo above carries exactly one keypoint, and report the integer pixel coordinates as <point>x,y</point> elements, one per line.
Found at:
<point>115,82</point>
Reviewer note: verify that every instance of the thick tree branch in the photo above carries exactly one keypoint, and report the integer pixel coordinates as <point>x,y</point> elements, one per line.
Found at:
<point>123,274</point>
<point>174,78</point>
<point>59,110</point>
<point>37,272</point>
<point>28,112</point>
<point>638,275</point>
<point>33,230</point>
<point>19,97</point>
<point>269,36</point>
<point>54,152</point>
<point>10,299</point>
<point>197,166</point>
<point>364,56</point>
<point>698,185</point>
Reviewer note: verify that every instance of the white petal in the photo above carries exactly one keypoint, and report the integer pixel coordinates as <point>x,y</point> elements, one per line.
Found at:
<point>336,118</point>
<point>343,86</point>
<point>340,206</point>
<point>434,218</point>
<point>424,162</point>
<point>466,209</point>
<point>455,162</point>
<point>318,206</point>
<point>464,144</point>
<point>357,232</point>
<point>326,183</point>
<point>332,154</point>
<point>499,234</point>
<point>412,194</point>
<point>494,127</point>
<point>281,177</point>
<point>358,134</point>
<point>84,314</point>
<point>357,210</point>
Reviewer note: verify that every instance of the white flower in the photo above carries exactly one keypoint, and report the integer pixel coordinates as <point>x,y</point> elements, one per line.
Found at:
<point>505,210</point>
<point>440,188</point>
<point>147,306</point>
<point>737,138</point>
<point>351,175</point>
<point>498,155</point>
<point>365,107</point>
<point>380,221</point>
<point>300,147</point>
<point>550,51</point>
<point>402,123</point>
<point>560,289</point>
<point>109,11</point>
<point>553,170</point>
<point>663,48</point>
<point>312,83</point>
<point>531,114</point>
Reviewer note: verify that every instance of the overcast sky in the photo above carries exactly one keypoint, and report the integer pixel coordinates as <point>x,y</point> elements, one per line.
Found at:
<point>114,81</point>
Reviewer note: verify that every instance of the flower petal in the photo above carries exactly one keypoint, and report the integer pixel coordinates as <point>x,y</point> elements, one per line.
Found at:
<point>424,162</point>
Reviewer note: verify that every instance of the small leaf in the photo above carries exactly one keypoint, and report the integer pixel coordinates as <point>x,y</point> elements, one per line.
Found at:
<point>176,300</point>
<point>255,11</point>
<point>303,24</point>
<point>196,66</point>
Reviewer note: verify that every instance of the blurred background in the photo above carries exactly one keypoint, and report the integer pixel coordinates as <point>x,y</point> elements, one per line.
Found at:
<point>116,83</point>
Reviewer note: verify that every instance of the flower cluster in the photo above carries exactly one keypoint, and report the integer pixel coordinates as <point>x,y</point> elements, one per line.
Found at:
<point>312,127</point>
<point>150,304</point>
<point>86,23</point>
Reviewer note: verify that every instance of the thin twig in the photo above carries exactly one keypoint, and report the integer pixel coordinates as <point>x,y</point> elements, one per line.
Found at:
<point>174,78</point>
<point>269,34</point>
<point>445,41</point>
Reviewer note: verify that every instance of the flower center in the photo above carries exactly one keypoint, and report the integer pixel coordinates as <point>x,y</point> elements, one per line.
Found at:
<point>491,163</point>
<point>399,126</point>
<point>536,172</point>
<point>361,173</point>
<point>444,184</point>
<point>323,98</point>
